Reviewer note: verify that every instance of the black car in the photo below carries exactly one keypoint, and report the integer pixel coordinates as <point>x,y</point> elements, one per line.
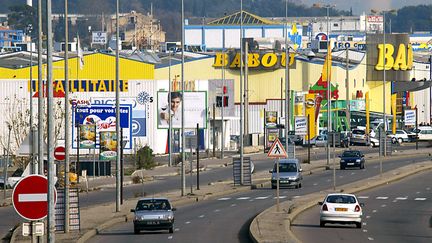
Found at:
<point>352,158</point>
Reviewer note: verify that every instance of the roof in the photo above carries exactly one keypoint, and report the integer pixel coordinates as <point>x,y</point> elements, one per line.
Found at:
<point>248,19</point>
<point>21,59</point>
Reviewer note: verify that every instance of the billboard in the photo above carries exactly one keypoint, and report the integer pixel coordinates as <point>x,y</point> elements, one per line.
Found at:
<point>271,119</point>
<point>410,117</point>
<point>108,145</point>
<point>87,136</point>
<point>103,117</point>
<point>300,125</point>
<point>195,108</point>
<point>99,37</point>
<point>397,55</point>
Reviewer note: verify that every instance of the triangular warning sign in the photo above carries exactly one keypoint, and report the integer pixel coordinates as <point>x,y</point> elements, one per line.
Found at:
<point>277,150</point>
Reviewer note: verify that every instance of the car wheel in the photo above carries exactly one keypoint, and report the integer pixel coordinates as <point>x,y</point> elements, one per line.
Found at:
<point>171,230</point>
<point>358,225</point>
<point>342,167</point>
<point>372,144</point>
<point>300,185</point>
<point>400,140</point>
<point>136,231</point>
<point>322,224</point>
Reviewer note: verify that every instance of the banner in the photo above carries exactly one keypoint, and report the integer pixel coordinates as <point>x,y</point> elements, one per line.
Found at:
<point>271,119</point>
<point>99,37</point>
<point>87,136</point>
<point>410,117</point>
<point>108,146</point>
<point>195,108</point>
<point>300,125</point>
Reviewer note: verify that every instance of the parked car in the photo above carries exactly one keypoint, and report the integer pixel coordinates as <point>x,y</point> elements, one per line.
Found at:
<point>153,214</point>
<point>320,141</point>
<point>424,133</point>
<point>358,136</point>
<point>341,208</point>
<point>352,158</point>
<point>290,173</point>
<point>400,136</point>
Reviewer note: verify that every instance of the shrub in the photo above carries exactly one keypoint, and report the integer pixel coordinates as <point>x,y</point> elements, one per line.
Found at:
<point>145,158</point>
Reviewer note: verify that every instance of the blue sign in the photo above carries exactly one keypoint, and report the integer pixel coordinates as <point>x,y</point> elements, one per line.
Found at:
<point>101,115</point>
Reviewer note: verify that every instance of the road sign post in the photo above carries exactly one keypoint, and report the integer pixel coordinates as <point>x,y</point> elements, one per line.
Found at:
<point>277,151</point>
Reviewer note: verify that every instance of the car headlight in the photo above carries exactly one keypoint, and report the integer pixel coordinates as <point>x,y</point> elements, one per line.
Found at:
<point>358,160</point>
<point>342,160</point>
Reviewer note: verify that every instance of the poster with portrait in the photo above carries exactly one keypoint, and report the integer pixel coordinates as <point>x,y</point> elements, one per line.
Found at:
<point>195,108</point>
<point>87,136</point>
<point>108,145</point>
<point>271,118</point>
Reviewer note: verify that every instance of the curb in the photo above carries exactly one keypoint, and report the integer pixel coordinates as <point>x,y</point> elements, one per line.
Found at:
<point>295,207</point>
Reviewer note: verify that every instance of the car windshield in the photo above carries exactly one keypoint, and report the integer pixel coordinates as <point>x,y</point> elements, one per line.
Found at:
<point>341,199</point>
<point>351,154</point>
<point>358,132</point>
<point>153,204</point>
<point>289,167</point>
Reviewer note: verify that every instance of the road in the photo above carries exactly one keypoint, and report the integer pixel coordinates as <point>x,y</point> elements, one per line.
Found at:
<point>227,219</point>
<point>398,212</point>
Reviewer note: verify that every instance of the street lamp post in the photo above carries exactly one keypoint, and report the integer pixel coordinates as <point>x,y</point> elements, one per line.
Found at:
<point>287,80</point>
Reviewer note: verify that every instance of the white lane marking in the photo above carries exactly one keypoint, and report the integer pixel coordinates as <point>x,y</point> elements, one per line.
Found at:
<point>328,180</point>
<point>365,230</point>
<point>177,229</point>
<point>251,200</point>
<point>261,198</point>
<point>340,176</point>
<point>280,197</point>
<point>401,198</point>
<point>315,184</point>
<point>296,196</point>
<point>170,237</point>
<point>216,210</point>
<point>382,198</point>
<point>187,222</point>
<point>233,205</point>
<point>420,199</point>
<point>352,173</point>
<point>243,198</point>
<point>383,206</point>
<point>224,198</point>
<point>363,197</point>
<point>395,200</point>
<point>374,211</point>
<point>427,188</point>
<point>370,238</point>
<point>202,216</point>
<point>417,192</point>
<point>364,223</point>
<point>368,216</point>
<point>32,197</point>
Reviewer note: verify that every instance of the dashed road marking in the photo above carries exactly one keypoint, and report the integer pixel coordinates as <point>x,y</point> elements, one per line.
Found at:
<point>417,192</point>
<point>177,229</point>
<point>365,230</point>
<point>370,238</point>
<point>395,200</point>
<point>280,197</point>
<point>382,198</point>
<point>243,198</point>
<point>420,199</point>
<point>187,222</point>
<point>315,184</point>
<point>401,198</point>
<point>428,188</point>
<point>233,205</point>
<point>352,173</point>
<point>224,198</point>
<point>383,206</point>
<point>363,197</point>
<point>202,216</point>
<point>374,211</point>
<point>328,180</point>
<point>364,223</point>
<point>368,216</point>
<point>170,237</point>
<point>296,196</point>
<point>261,198</point>
<point>216,210</point>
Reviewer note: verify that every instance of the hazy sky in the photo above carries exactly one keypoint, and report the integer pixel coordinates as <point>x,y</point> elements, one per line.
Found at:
<point>360,6</point>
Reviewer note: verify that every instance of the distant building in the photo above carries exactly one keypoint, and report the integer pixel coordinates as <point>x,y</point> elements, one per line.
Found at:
<point>9,38</point>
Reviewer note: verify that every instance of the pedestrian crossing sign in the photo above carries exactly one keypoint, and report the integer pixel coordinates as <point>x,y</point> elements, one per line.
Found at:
<point>277,150</point>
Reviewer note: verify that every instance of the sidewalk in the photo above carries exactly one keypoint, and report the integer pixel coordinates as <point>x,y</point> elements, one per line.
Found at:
<point>94,219</point>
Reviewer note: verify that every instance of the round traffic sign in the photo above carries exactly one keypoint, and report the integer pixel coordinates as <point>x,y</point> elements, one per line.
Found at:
<point>30,197</point>
<point>59,153</point>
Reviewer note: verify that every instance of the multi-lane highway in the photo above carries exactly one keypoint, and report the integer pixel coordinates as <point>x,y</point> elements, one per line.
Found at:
<point>227,219</point>
<point>398,212</point>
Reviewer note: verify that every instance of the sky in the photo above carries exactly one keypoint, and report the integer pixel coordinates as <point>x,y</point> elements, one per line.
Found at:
<point>360,6</point>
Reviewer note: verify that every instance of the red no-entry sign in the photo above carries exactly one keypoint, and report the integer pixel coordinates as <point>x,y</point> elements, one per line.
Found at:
<point>59,153</point>
<point>30,197</point>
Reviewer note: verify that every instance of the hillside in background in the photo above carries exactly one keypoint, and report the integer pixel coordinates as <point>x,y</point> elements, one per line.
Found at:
<point>407,19</point>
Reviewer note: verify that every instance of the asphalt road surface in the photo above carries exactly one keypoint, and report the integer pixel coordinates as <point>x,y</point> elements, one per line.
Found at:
<point>398,212</point>
<point>227,219</point>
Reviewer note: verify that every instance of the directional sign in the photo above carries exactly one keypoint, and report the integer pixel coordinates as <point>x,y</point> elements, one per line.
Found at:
<point>277,150</point>
<point>59,153</point>
<point>30,197</point>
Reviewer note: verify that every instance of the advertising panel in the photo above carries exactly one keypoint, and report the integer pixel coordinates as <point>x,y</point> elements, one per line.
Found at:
<point>87,136</point>
<point>103,117</point>
<point>99,37</point>
<point>108,145</point>
<point>195,108</point>
<point>272,134</point>
<point>410,117</point>
<point>300,125</point>
<point>397,55</point>
<point>271,118</point>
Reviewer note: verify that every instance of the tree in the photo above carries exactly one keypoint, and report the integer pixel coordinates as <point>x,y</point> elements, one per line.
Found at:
<point>22,16</point>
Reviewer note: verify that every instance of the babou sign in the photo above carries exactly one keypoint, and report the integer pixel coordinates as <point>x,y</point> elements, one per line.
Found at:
<point>256,60</point>
<point>396,56</point>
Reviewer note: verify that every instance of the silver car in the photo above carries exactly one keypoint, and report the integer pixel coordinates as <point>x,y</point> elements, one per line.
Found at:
<point>290,173</point>
<point>153,214</point>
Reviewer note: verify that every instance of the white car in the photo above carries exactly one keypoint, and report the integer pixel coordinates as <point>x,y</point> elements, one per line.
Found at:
<point>341,208</point>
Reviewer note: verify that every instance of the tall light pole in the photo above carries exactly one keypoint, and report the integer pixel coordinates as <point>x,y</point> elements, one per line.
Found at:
<point>32,157</point>
<point>40,92</point>
<point>67,121</point>
<point>169,113</point>
<point>117,97</point>
<point>287,80</point>
<point>50,126</point>
<point>241,92</point>
<point>183,172</point>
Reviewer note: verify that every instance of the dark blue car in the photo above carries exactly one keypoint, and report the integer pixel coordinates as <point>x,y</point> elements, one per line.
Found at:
<point>352,158</point>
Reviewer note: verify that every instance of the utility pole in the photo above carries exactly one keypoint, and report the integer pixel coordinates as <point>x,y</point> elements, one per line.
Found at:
<point>348,111</point>
<point>183,170</point>
<point>67,121</point>
<point>40,93</point>
<point>329,103</point>
<point>50,127</point>
<point>246,94</point>
<point>287,81</point>
<point>223,107</point>
<point>241,92</point>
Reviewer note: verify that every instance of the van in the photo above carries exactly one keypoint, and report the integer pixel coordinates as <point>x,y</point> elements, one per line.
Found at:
<point>290,173</point>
